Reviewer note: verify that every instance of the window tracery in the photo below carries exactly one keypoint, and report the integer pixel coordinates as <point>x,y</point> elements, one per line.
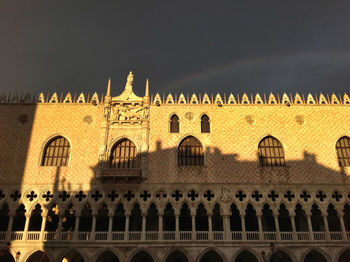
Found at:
<point>271,152</point>
<point>124,155</point>
<point>343,151</point>
<point>56,152</point>
<point>190,152</point>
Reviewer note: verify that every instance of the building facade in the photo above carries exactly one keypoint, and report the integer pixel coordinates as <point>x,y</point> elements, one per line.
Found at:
<point>176,178</point>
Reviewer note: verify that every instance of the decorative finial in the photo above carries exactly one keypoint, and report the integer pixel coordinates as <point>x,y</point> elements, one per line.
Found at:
<point>109,87</point>
<point>147,88</point>
<point>129,80</point>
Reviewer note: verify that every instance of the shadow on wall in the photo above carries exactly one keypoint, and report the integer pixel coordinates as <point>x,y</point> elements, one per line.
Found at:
<point>120,197</point>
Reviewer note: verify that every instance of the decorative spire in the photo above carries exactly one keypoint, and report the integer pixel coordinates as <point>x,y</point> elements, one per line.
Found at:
<point>147,88</point>
<point>109,87</point>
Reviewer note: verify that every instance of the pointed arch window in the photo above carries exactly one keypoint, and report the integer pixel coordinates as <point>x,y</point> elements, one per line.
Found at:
<point>343,151</point>
<point>271,152</point>
<point>190,152</point>
<point>124,155</point>
<point>205,124</point>
<point>56,152</point>
<point>174,124</point>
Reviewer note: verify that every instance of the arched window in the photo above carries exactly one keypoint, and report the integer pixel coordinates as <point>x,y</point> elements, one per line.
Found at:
<point>124,155</point>
<point>205,125</point>
<point>343,151</point>
<point>190,152</point>
<point>56,152</point>
<point>174,124</point>
<point>271,152</point>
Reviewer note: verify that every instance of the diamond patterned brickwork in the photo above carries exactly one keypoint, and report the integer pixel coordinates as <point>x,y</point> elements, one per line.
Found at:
<point>231,147</point>
<point>22,144</point>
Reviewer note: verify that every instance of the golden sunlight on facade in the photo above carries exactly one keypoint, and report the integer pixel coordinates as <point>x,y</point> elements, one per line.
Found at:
<point>192,178</point>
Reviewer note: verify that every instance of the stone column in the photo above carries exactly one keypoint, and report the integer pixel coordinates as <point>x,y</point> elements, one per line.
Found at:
<point>160,225</point>
<point>143,233</point>
<point>341,220</point>
<point>309,224</point>
<point>326,227</point>
<point>177,227</point>
<point>93,228</point>
<point>9,227</point>
<point>244,233</point>
<point>59,227</point>
<point>277,225</point>
<point>127,221</point>
<point>76,229</point>
<point>110,226</point>
<point>193,218</point>
<point>43,224</point>
<point>210,226</point>
<point>261,232</point>
<point>26,226</point>
<point>226,227</point>
<point>294,229</point>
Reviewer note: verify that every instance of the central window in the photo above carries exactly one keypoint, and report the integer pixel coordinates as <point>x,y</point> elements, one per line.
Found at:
<point>271,152</point>
<point>124,155</point>
<point>190,152</point>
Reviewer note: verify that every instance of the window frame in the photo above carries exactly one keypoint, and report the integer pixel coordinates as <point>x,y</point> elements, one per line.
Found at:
<point>200,157</point>
<point>46,146</point>
<point>269,160</point>
<point>170,123</point>
<point>137,158</point>
<point>343,149</point>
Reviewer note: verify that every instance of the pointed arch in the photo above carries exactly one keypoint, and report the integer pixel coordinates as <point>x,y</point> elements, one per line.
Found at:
<point>344,255</point>
<point>38,256</point>
<point>315,254</point>
<point>190,152</point>
<point>245,256</point>
<point>176,256</point>
<point>211,254</point>
<point>35,218</point>
<point>124,155</point>
<point>73,255</point>
<point>107,256</point>
<point>205,124</point>
<point>174,124</point>
<point>270,152</point>
<point>343,151</point>
<point>142,256</point>
<point>280,256</point>
<point>56,152</point>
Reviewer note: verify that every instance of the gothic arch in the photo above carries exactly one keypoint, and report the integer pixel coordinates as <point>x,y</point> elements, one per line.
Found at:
<point>70,251</point>
<point>115,140</point>
<point>107,249</point>
<point>140,249</point>
<point>316,249</point>
<point>184,138</point>
<point>48,141</point>
<point>177,249</point>
<point>33,253</point>
<point>286,251</point>
<point>243,249</point>
<point>277,158</point>
<point>341,252</point>
<point>208,249</point>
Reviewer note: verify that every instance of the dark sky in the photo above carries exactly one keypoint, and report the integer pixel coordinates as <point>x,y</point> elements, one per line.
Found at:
<point>182,46</point>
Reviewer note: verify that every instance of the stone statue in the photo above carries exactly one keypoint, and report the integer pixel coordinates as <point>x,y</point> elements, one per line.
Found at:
<point>129,80</point>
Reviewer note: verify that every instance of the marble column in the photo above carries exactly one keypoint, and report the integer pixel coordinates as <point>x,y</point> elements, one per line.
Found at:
<point>76,228</point>
<point>244,233</point>
<point>160,226</point>
<point>43,224</point>
<point>309,224</point>
<point>93,227</point>
<point>9,227</point>
<point>326,227</point>
<point>110,226</point>
<point>210,227</point>
<point>127,222</point>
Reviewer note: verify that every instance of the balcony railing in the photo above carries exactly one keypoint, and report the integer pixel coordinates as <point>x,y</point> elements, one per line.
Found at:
<point>177,236</point>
